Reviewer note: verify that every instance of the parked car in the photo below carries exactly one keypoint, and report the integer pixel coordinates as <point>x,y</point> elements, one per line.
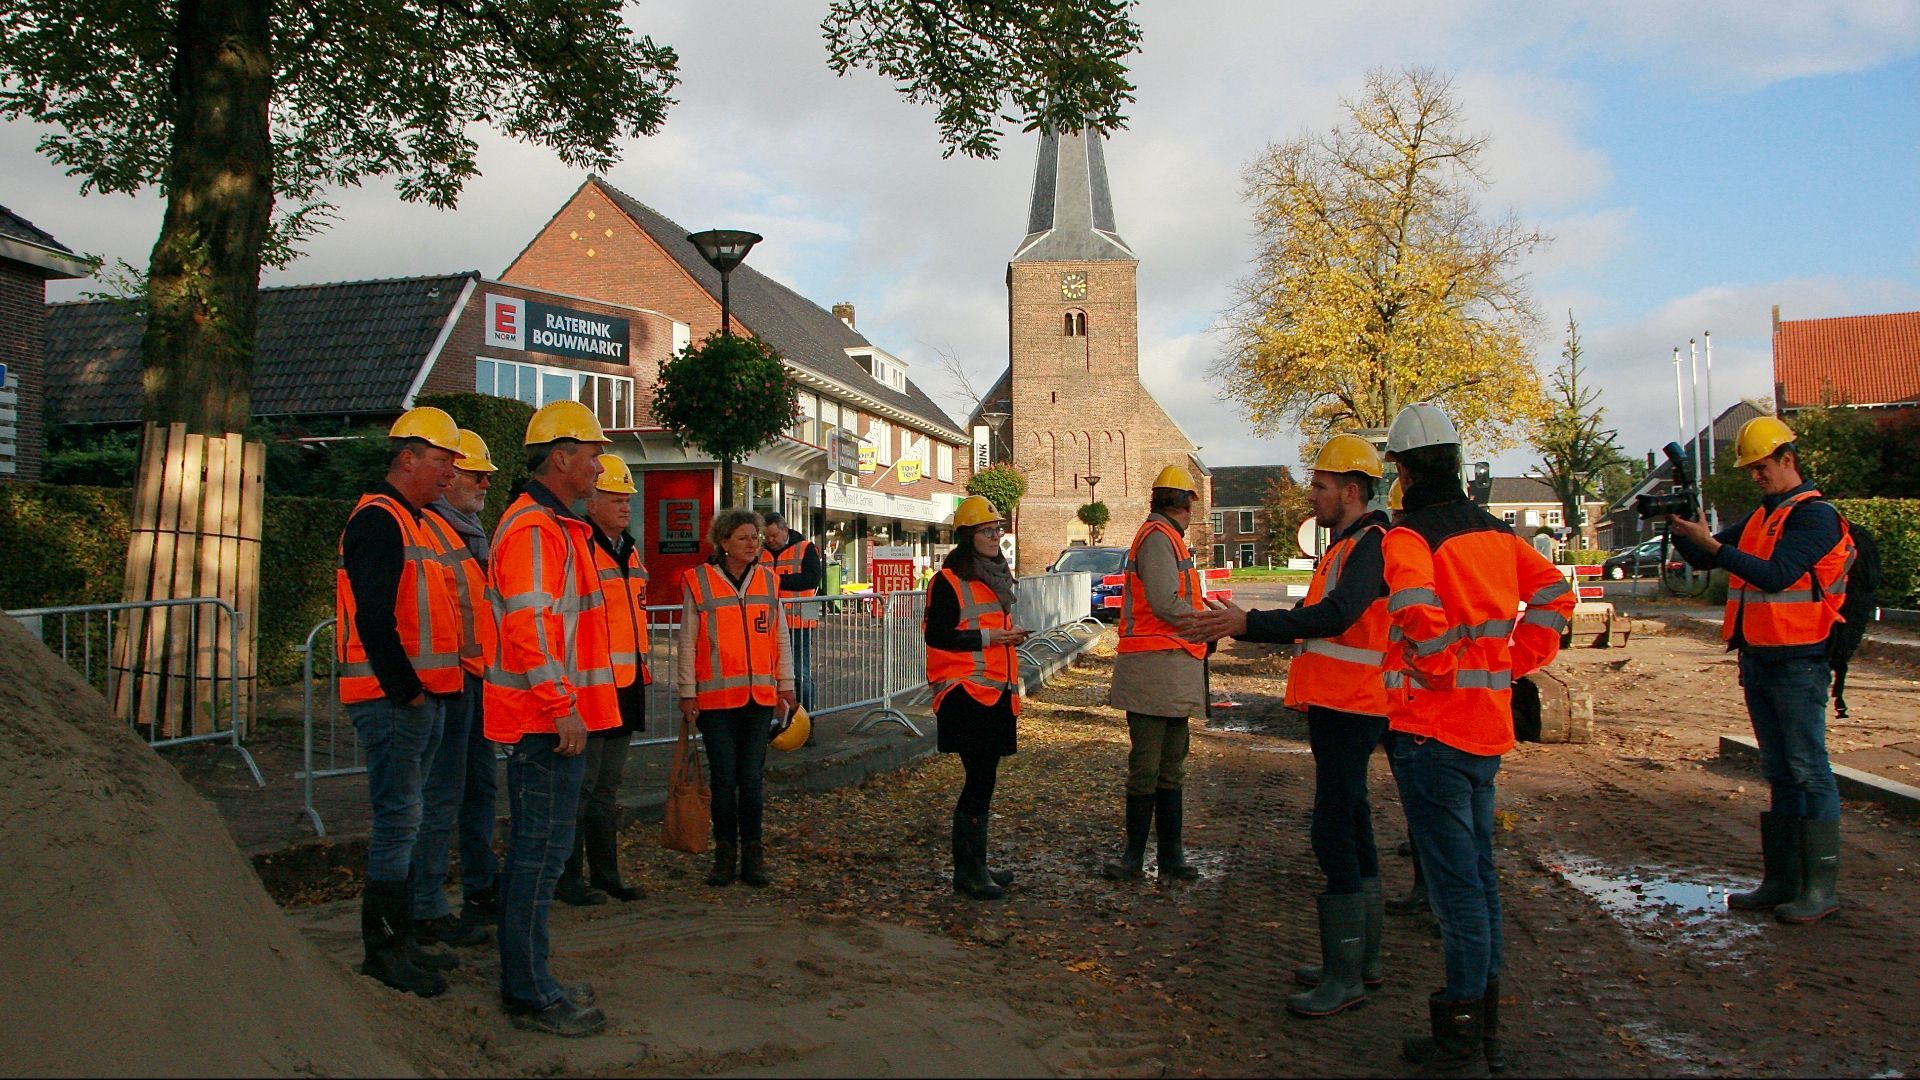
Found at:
<point>1100,562</point>
<point>1640,560</point>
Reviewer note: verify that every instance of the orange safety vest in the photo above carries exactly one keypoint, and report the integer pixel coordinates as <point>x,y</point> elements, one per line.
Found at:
<point>626,595</point>
<point>1455,645</point>
<point>986,673</point>
<point>1140,629</point>
<point>554,655</point>
<point>1342,672</point>
<point>479,634</point>
<point>734,645</point>
<point>791,560</point>
<point>1803,613</point>
<point>423,612</point>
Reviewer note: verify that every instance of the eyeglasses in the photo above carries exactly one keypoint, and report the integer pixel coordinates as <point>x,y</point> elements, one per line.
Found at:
<point>990,530</point>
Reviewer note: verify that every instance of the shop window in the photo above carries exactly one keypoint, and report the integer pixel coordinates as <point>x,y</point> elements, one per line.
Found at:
<point>609,396</point>
<point>1246,522</point>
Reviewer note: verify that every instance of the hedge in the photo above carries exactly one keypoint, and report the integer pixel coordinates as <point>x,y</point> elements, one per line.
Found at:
<point>1896,526</point>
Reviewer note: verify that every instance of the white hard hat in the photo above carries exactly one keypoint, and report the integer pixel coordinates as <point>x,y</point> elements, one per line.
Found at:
<point>1420,424</point>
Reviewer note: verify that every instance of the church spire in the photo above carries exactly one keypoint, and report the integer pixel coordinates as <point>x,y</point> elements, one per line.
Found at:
<point>1071,219</point>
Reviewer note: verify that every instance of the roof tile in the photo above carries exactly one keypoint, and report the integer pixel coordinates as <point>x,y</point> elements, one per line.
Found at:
<point>1853,360</point>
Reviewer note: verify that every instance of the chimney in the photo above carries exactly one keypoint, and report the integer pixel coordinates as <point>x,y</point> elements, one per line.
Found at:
<point>844,312</point>
<point>1776,318</point>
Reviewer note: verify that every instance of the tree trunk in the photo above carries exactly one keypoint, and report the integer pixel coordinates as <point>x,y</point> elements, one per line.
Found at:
<point>203,281</point>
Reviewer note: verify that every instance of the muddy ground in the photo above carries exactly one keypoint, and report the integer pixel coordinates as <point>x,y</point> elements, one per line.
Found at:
<point>1615,859</point>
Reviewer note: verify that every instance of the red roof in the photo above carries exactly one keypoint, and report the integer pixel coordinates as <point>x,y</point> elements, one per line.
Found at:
<point>1854,360</point>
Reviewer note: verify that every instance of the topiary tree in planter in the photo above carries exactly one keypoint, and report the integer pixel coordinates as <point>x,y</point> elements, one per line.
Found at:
<point>1094,516</point>
<point>1002,484</point>
<point>727,397</point>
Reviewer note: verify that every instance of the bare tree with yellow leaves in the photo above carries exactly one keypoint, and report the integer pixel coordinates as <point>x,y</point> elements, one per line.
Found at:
<point>1379,282</point>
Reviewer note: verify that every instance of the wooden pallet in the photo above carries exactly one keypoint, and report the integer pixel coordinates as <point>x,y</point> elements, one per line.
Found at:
<point>196,532</point>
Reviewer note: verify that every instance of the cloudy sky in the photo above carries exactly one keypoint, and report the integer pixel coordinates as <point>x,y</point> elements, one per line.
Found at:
<point>1697,163</point>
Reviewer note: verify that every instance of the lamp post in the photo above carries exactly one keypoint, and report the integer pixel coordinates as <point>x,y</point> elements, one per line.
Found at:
<point>724,249</point>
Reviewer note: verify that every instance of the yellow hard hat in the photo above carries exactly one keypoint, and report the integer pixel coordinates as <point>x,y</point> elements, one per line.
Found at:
<point>1759,437</point>
<point>1395,494</point>
<point>1348,453</point>
<point>474,456</point>
<point>975,510</point>
<point>1176,477</point>
<point>564,420</point>
<point>430,424</point>
<point>615,476</point>
<point>794,735</point>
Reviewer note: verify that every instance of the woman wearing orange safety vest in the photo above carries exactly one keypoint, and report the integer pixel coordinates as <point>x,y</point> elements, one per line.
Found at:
<point>1159,678</point>
<point>623,582</point>
<point>974,670</point>
<point>734,670</point>
<point>398,662</point>
<point>1787,567</point>
<point>1336,678</point>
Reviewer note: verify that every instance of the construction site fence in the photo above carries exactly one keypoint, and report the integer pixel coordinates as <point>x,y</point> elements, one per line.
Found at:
<point>165,667</point>
<point>852,652</point>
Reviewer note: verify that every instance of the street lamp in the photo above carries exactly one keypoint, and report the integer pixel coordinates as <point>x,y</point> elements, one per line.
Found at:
<point>724,249</point>
<point>1092,482</point>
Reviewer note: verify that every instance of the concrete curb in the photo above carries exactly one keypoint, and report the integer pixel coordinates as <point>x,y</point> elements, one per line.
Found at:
<point>1853,783</point>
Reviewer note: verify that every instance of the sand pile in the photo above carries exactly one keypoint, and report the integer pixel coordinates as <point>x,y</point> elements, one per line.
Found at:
<point>134,938</point>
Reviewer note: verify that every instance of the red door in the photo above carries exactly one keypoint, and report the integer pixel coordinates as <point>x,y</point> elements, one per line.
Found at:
<point>678,505</point>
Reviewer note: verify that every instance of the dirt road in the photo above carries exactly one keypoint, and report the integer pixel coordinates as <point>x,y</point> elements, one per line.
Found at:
<point>1615,863</point>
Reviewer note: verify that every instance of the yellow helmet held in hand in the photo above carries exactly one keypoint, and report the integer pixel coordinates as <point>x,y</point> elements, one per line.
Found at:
<point>1348,453</point>
<point>1177,478</point>
<point>564,420</point>
<point>428,423</point>
<point>1758,438</point>
<point>1395,495</point>
<point>615,476</point>
<point>793,734</point>
<point>474,456</point>
<point>975,510</point>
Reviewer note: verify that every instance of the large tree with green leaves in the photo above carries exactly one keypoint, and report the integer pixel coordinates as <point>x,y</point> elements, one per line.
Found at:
<point>1575,449</point>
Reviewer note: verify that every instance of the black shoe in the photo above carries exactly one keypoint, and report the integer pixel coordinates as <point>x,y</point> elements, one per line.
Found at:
<point>1490,1027</point>
<point>449,930</point>
<point>1780,854</point>
<point>563,1017</point>
<point>481,906</point>
<point>603,861</point>
<point>1343,944</point>
<point>435,959</point>
<point>753,865</point>
<point>1454,1042</point>
<point>571,890</point>
<point>1819,875</point>
<point>970,859</point>
<point>1371,975</point>
<point>726,863</point>
<point>1168,814</point>
<point>386,909</point>
<point>1132,862</point>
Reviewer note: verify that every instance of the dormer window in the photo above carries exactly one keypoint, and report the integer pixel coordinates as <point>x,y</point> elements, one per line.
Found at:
<point>885,370</point>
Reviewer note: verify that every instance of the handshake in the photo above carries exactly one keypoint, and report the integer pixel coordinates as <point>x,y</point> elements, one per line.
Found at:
<point>1219,619</point>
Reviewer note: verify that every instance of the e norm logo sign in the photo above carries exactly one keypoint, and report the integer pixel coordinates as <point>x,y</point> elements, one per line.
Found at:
<point>513,323</point>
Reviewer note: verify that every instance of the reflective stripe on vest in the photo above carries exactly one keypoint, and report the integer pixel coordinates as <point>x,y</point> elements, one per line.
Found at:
<point>424,611</point>
<point>734,649</point>
<point>1342,672</point>
<point>1806,611</point>
<point>625,591</point>
<point>984,674</point>
<point>1140,629</point>
<point>479,636</point>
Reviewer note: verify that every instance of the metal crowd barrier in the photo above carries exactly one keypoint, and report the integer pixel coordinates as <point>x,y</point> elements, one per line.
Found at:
<point>355,762</point>
<point>74,642</point>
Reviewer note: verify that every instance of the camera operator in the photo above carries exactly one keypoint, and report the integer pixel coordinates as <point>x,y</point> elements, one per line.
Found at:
<point>1787,571</point>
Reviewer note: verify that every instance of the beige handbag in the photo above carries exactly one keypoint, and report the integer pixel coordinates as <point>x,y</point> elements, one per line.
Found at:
<point>689,818</point>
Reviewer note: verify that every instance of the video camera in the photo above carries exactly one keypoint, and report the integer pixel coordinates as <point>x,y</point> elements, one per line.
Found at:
<point>1680,500</point>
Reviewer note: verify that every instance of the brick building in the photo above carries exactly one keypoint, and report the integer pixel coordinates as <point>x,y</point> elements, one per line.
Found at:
<point>1070,411</point>
<point>1239,519</point>
<point>29,258</point>
<point>1529,504</point>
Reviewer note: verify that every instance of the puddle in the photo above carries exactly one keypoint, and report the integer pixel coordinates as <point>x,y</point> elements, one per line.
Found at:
<point>1258,718</point>
<point>1268,749</point>
<point>1662,906</point>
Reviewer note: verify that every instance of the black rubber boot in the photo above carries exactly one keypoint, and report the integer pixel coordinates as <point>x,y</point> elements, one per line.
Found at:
<point>1371,975</point>
<point>1454,1045</point>
<point>970,859</point>
<point>726,864</point>
<point>481,907</point>
<point>1134,858</point>
<point>1343,943</point>
<point>1167,819</point>
<point>572,887</point>
<point>449,930</point>
<point>1490,1027</point>
<point>1002,878</point>
<point>1415,902</point>
<point>753,865</point>
<point>1819,875</point>
<point>603,861</point>
<point>385,914</point>
<point>1780,854</point>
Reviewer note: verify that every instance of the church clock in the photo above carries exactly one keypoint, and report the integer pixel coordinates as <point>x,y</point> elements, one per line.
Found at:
<point>1073,286</point>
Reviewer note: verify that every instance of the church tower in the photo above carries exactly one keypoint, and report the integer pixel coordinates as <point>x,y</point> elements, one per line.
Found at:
<point>1081,426</point>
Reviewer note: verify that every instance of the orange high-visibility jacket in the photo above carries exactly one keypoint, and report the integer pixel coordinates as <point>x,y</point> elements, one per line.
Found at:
<point>1803,613</point>
<point>554,653</point>
<point>479,634</point>
<point>791,560</point>
<point>736,651</point>
<point>1456,578</point>
<point>985,673</point>
<point>423,612</point>
<point>1140,629</point>
<point>1342,672</point>
<point>626,595</point>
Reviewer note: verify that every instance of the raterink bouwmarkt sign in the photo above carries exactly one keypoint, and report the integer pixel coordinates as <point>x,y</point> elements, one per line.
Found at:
<point>514,323</point>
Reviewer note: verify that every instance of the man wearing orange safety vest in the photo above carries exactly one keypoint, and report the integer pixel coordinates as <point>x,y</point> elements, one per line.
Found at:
<point>398,663</point>
<point>1159,678</point>
<point>1336,678</point>
<point>549,689</point>
<point>1787,569</point>
<point>1456,578</point>
<point>797,560</point>
<point>460,778</point>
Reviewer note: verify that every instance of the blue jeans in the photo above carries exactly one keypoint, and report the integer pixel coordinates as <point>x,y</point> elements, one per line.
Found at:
<point>543,789</point>
<point>736,741</point>
<point>478,866</point>
<point>1787,700</point>
<point>1448,795</point>
<point>802,638</point>
<point>446,782</point>
<point>398,741</point>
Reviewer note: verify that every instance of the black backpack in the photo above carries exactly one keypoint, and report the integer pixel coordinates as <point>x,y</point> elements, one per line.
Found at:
<point>1863,577</point>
